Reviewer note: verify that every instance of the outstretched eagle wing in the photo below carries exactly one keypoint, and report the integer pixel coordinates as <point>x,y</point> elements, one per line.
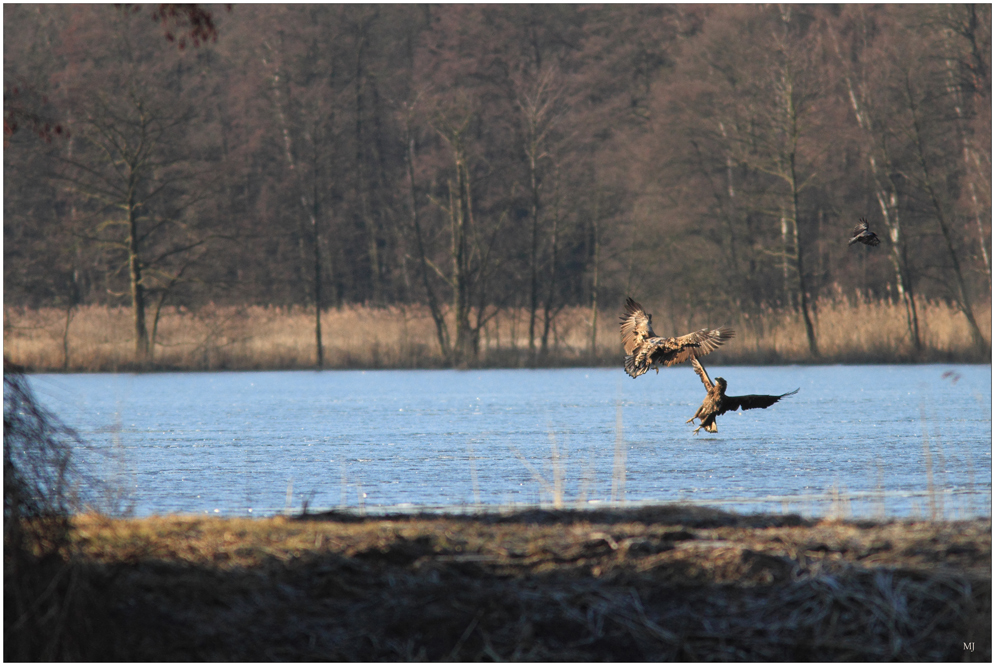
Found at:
<point>636,326</point>
<point>696,344</point>
<point>699,370</point>
<point>733,402</point>
<point>860,233</point>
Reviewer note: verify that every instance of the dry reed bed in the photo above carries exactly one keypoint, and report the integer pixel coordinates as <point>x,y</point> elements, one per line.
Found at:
<point>660,583</point>
<point>255,338</point>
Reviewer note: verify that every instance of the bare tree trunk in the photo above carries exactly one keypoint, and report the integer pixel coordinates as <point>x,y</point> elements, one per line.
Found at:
<point>548,310</point>
<point>888,201</point>
<point>533,255</point>
<point>962,298</point>
<point>310,208</point>
<point>727,206</point>
<point>441,330</point>
<point>538,105</point>
<point>789,171</point>
<point>595,278</point>
<point>460,226</point>
<point>137,287</point>
<point>316,247</point>
<point>954,91</point>
<point>631,258</point>
<point>987,263</point>
<point>887,197</point>
<point>970,159</point>
<point>792,175</point>
<point>453,129</point>
<point>813,345</point>
<point>369,222</point>
<point>785,253</point>
<point>70,313</point>
<point>159,304</point>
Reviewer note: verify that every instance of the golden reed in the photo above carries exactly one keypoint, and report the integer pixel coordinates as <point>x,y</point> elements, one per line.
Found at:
<point>100,339</point>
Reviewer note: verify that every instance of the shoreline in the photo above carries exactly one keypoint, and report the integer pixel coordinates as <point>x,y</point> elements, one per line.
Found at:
<point>645,584</point>
<point>718,362</point>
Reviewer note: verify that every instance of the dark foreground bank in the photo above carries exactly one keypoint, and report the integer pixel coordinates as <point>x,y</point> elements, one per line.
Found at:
<point>664,583</point>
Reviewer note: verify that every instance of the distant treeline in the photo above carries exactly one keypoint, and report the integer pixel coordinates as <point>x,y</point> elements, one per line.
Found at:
<point>483,163</point>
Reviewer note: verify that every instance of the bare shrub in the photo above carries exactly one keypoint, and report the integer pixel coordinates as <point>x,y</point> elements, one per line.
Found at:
<point>41,490</point>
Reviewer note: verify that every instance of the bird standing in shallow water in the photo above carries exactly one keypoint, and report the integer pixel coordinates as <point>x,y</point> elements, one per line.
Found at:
<point>717,403</point>
<point>644,350</point>
<point>861,234</point>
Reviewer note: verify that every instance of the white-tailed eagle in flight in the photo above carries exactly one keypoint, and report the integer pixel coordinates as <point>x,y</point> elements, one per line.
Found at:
<point>644,350</point>
<point>717,402</point>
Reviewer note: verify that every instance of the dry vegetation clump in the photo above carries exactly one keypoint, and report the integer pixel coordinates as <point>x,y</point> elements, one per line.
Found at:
<point>47,602</point>
<point>98,339</point>
<point>662,583</point>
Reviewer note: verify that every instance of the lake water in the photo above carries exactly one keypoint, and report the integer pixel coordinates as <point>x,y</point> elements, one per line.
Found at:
<point>855,441</point>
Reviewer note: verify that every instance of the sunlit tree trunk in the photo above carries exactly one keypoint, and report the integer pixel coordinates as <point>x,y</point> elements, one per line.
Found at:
<point>970,160</point>
<point>549,309</point>
<point>790,222</point>
<point>454,130</point>
<point>887,198</point>
<point>441,329</point>
<point>363,187</point>
<point>929,186</point>
<point>965,35</point>
<point>137,287</point>
<point>537,104</point>
<point>595,276</point>
<point>310,208</point>
<point>533,256</point>
<point>316,265</point>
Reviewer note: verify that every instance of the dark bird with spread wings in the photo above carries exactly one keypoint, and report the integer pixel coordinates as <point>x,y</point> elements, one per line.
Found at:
<point>861,234</point>
<point>717,403</point>
<point>644,350</point>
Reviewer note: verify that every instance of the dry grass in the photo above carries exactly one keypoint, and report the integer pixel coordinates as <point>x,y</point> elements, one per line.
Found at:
<point>661,583</point>
<point>217,338</point>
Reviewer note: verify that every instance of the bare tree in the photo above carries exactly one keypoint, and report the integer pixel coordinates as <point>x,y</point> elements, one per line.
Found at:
<point>538,101</point>
<point>775,138</point>
<point>128,166</point>
<point>869,114</point>
<point>453,125</point>
<point>927,180</point>
<point>424,263</point>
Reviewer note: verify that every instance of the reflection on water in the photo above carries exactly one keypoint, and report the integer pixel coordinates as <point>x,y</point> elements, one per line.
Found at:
<point>855,441</point>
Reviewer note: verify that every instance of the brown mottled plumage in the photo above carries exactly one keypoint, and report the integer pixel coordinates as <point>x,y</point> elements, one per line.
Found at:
<point>717,402</point>
<point>862,234</point>
<point>644,350</point>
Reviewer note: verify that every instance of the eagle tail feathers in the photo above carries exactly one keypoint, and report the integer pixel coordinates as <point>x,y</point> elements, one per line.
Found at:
<point>630,366</point>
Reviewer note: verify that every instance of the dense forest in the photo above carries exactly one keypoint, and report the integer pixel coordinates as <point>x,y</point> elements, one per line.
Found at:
<point>478,158</point>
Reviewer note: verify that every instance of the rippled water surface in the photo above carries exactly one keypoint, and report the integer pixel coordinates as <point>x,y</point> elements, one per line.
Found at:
<point>855,440</point>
